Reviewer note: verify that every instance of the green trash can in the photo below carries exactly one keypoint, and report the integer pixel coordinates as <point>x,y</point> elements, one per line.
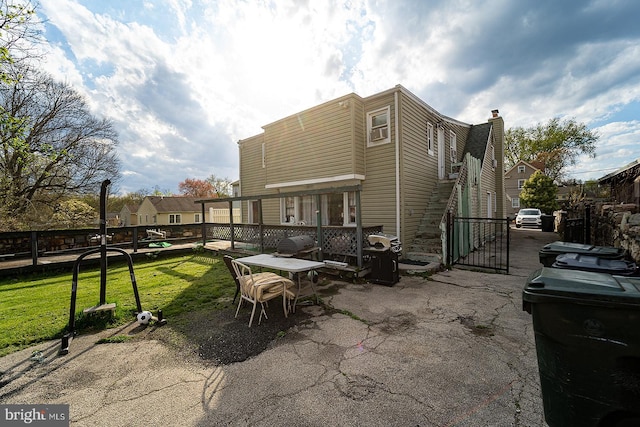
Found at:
<point>550,251</point>
<point>587,333</point>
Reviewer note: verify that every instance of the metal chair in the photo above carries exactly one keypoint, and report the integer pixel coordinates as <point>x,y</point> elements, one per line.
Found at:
<point>227,260</point>
<point>260,288</point>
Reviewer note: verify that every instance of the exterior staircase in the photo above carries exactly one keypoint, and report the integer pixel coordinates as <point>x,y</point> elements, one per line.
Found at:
<point>426,247</point>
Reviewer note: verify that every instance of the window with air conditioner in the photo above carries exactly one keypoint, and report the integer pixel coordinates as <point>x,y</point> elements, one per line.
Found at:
<point>521,183</point>
<point>378,129</point>
<point>521,169</point>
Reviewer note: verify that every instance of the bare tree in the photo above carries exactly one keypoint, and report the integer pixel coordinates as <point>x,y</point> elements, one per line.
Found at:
<point>54,146</point>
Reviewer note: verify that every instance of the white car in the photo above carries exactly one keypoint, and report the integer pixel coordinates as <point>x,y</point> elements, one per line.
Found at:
<point>529,218</point>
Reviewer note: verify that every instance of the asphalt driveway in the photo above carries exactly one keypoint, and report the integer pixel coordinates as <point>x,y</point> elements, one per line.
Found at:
<point>454,349</point>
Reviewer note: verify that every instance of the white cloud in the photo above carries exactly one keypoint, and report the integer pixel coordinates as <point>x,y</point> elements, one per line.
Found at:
<point>184,79</point>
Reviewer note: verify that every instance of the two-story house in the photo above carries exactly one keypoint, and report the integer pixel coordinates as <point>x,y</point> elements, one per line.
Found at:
<point>514,179</point>
<point>392,146</point>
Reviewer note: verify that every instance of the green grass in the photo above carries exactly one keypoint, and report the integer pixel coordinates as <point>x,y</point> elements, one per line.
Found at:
<point>36,308</point>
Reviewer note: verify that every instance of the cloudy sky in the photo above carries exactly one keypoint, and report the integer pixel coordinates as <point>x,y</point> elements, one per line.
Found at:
<point>184,80</point>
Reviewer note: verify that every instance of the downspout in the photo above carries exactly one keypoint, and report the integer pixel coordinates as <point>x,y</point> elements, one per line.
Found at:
<point>397,135</point>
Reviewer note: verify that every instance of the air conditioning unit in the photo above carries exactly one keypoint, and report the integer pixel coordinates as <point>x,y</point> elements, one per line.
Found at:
<point>379,133</point>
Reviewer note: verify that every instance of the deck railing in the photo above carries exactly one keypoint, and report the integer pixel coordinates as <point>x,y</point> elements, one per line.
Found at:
<point>339,243</point>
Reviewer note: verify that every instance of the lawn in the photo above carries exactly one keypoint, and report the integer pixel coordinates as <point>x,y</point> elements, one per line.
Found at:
<point>35,308</point>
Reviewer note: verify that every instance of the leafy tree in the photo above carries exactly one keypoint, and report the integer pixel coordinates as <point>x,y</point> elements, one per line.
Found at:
<point>222,186</point>
<point>16,26</point>
<point>539,191</point>
<point>56,148</point>
<point>557,144</point>
<point>73,213</point>
<point>197,188</point>
<point>18,34</point>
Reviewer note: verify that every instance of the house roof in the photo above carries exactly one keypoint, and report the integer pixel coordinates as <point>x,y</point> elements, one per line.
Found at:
<point>180,203</point>
<point>132,208</point>
<point>632,168</point>
<point>174,204</point>
<point>477,140</point>
<point>533,164</point>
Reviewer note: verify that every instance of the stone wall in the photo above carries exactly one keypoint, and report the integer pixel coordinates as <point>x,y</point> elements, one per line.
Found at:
<point>624,224</point>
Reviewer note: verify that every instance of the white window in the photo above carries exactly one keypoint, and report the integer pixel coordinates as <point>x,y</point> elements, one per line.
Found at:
<point>350,213</point>
<point>521,169</point>
<point>264,156</point>
<point>453,147</point>
<point>307,210</point>
<point>175,218</point>
<point>521,183</point>
<point>495,202</point>
<point>288,209</point>
<point>196,218</point>
<point>515,202</point>
<point>378,129</point>
<point>430,138</point>
<point>338,209</point>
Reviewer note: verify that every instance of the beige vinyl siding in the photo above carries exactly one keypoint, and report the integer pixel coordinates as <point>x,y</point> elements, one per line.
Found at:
<point>462,133</point>
<point>419,169</point>
<point>487,184</point>
<point>146,211</point>
<point>252,174</point>
<point>497,134</point>
<point>359,144</point>
<point>378,196</point>
<point>314,144</point>
<point>511,184</point>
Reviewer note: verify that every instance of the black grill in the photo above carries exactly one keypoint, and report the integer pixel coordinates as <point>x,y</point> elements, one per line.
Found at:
<point>295,245</point>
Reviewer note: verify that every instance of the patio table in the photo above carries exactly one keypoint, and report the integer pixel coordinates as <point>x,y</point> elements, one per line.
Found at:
<point>291,265</point>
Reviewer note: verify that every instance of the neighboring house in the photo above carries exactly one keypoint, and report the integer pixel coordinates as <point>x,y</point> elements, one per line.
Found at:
<point>624,183</point>
<point>514,179</point>
<point>175,210</point>
<point>393,145</point>
<point>113,219</point>
<point>129,215</point>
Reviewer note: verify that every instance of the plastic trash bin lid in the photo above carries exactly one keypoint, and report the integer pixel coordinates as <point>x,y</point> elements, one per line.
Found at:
<point>586,287</point>
<point>579,248</point>
<point>596,264</point>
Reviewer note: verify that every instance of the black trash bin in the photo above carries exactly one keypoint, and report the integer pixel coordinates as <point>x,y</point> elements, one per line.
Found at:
<point>550,251</point>
<point>547,223</point>
<point>618,267</point>
<point>588,346</point>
